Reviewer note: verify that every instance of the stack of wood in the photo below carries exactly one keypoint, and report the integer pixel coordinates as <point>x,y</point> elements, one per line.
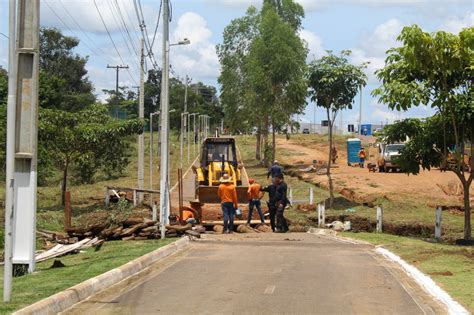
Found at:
<point>130,229</point>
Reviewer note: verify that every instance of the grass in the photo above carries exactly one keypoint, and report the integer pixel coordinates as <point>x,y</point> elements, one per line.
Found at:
<point>47,281</point>
<point>452,267</point>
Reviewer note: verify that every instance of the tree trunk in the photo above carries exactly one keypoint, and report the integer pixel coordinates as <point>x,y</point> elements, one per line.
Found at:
<point>64,184</point>
<point>258,150</point>
<point>265,141</point>
<point>467,211</point>
<point>273,143</point>
<point>331,188</point>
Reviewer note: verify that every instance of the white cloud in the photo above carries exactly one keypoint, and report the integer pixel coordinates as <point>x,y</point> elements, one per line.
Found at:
<point>373,46</point>
<point>199,59</point>
<point>314,44</point>
<point>455,24</point>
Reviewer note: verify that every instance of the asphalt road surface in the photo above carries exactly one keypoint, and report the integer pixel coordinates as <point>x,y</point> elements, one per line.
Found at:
<point>266,274</point>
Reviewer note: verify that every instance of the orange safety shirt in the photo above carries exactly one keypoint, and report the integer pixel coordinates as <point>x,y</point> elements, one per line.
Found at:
<point>187,215</point>
<point>254,191</point>
<point>362,154</point>
<point>227,193</point>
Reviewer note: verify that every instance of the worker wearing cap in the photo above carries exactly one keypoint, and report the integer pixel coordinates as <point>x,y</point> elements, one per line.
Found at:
<point>275,170</point>
<point>228,196</point>
<point>254,196</point>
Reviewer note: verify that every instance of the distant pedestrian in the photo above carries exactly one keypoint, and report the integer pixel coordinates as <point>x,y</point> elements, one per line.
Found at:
<point>281,203</point>
<point>362,157</point>
<point>254,196</point>
<point>271,203</point>
<point>228,195</point>
<point>275,170</point>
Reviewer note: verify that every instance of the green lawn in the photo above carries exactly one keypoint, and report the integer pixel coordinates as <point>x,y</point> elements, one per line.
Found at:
<point>452,267</point>
<point>79,267</point>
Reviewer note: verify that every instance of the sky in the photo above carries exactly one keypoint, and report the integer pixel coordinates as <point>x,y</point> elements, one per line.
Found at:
<point>367,27</point>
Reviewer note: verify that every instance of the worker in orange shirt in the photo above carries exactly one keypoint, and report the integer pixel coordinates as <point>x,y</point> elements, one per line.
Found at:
<point>228,195</point>
<point>254,195</point>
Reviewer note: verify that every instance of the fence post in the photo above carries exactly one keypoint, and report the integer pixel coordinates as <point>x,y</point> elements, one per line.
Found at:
<point>319,215</point>
<point>134,198</point>
<point>107,197</point>
<point>311,196</point>
<point>439,212</point>
<point>291,195</point>
<point>323,215</point>
<point>379,219</point>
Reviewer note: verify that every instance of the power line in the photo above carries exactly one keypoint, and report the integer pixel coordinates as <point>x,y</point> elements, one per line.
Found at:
<point>156,27</point>
<point>113,10</point>
<point>83,32</point>
<point>142,24</point>
<point>125,25</point>
<point>112,40</point>
<point>4,35</point>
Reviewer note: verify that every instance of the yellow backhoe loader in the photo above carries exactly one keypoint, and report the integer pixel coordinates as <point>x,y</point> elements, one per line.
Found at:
<point>219,157</point>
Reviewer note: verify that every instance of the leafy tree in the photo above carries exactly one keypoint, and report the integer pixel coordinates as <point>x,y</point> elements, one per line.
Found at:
<point>236,95</point>
<point>434,70</point>
<point>263,67</point>
<point>87,136</point>
<point>334,83</point>
<point>63,76</point>
<point>276,70</point>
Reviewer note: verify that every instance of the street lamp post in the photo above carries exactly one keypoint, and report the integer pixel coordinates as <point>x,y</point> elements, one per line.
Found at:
<point>164,163</point>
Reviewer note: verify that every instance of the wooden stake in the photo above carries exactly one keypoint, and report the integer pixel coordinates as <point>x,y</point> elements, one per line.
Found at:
<point>67,211</point>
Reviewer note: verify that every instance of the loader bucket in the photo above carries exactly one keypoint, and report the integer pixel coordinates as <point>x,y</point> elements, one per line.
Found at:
<point>208,194</point>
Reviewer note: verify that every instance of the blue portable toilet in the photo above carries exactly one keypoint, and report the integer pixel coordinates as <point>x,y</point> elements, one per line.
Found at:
<point>353,148</point>
<point>366,129</point>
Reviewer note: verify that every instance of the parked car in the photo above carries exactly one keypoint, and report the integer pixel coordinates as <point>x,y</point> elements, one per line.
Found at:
<point>388,156</point>
<point>306,131</point>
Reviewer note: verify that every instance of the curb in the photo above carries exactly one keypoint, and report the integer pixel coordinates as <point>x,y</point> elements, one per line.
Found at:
<point>424,281</point>
<point>65,299</point>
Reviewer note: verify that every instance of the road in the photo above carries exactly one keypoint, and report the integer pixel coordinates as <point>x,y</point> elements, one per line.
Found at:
<point>267,274</point>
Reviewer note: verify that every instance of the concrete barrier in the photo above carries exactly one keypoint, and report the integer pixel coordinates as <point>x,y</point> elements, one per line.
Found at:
<point>65,299</point>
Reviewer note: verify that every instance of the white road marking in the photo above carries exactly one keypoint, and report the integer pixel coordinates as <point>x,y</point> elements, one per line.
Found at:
<point>269,289</point>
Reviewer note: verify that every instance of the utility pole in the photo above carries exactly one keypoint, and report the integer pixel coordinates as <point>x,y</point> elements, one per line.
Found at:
<point>117,69</point>
<point>141,115</point>
<point>164,185</point>
<point>22,140</point>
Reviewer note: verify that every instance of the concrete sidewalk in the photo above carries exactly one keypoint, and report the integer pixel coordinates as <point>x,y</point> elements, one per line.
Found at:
<point>268,274</point>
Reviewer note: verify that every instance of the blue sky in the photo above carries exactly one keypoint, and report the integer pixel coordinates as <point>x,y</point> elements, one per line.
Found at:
<point>367,27</point>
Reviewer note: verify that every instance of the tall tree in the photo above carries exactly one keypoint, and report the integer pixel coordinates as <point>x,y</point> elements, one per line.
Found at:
<point>334,83</point>
<point>236,96</point>
<point>63,76</point>
<point>276,68</point>
<point>436,70</point>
